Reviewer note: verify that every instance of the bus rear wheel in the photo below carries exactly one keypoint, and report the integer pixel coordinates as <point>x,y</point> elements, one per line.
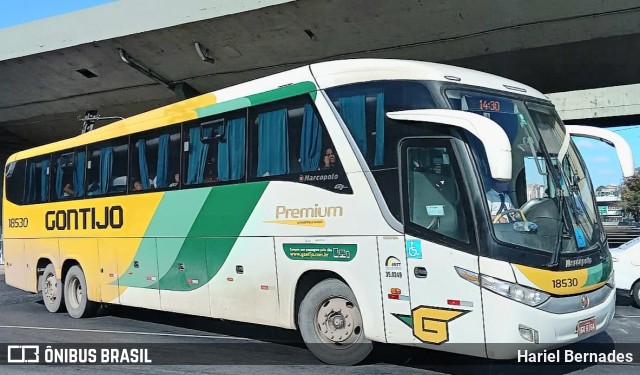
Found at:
<point>330,323</point>
<point>75,294</point>
<point>51,288</point>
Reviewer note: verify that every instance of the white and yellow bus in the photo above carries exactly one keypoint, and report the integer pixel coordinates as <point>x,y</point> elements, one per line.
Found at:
<point>345,199</point>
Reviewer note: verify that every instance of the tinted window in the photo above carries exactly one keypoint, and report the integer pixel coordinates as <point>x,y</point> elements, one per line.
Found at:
<point>155,159</point>
<point>363,109</point>
<point>14,180</point>
<point>38,172</point>
<point>214,149</point>
<point>289,142</point>
<point>68,174</point>
<point>107,167</point>
<point>435,202</point>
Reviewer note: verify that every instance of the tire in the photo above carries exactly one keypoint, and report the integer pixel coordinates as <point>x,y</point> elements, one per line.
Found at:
<point>75,294</point>
<point>635,293</point>
<point>52,290</point>
<point>330,323</point>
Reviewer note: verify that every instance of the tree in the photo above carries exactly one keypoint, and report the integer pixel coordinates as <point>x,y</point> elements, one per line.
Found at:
<point>631,195</point>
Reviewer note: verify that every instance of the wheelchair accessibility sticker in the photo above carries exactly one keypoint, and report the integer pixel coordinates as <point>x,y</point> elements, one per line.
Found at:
<point>414,249</point>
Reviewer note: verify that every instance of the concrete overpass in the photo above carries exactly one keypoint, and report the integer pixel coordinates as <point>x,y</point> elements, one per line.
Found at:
<point>53,70</point>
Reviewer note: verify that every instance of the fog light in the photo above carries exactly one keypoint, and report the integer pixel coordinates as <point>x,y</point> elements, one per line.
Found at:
<point>528,334</point>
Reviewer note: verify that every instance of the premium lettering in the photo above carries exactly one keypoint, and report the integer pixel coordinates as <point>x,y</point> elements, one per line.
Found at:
<point>85,218</point>
<point>282,212</point>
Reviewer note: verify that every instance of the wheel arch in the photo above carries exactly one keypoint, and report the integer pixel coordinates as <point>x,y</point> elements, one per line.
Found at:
<point>308,280</point>
<point>41,264</point>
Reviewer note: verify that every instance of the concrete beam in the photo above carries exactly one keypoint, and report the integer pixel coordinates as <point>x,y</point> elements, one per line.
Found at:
<point>606,102</point>
<point>113,20</point>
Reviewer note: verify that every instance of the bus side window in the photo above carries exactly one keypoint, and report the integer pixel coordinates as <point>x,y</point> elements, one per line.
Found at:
<point>15,181</point>
<point>289,138</point>
<point>107,167</point>
<point>155,159</point>
<point>67,174</point>
<point>214,149</point>
<point>38,172</point>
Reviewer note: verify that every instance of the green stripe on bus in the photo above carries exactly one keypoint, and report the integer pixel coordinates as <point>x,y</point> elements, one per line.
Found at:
<point>186,205</point>
<point>594,275</point>
<point>212,236</point>
<point>228,106</point>
<point>260,98</point>
<point>284,92</point>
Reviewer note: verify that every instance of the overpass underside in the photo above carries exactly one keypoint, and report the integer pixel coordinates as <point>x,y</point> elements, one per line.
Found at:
<point>552,46</point>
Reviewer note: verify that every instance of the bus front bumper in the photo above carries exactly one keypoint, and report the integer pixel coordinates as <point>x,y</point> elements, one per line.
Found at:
<point>508,322</point>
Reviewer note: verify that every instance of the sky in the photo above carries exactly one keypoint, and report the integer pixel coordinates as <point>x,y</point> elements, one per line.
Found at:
<point>602,160</point>
<point>16,12</point>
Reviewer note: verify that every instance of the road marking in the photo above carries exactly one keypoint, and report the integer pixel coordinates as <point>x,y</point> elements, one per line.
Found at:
<point>128,332</point>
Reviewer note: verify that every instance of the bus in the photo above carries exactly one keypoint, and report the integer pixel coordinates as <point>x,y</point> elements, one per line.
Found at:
<point>350,200</point>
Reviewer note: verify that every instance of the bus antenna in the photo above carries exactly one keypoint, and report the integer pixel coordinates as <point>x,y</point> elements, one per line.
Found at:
<point>91,117</point>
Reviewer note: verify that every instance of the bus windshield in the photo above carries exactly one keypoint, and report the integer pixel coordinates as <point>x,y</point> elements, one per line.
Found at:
<point>548,205</point>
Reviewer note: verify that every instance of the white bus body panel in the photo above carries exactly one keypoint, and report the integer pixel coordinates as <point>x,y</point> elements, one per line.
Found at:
<point>447,310</point>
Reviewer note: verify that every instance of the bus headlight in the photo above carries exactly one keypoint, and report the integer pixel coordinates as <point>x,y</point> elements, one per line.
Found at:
<point>513,291</point>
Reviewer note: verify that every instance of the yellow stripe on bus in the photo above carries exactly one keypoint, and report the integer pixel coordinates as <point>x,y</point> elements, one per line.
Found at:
<point>559,282</point>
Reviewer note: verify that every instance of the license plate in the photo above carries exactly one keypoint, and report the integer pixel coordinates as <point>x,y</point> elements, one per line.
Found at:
<point>586,326</point>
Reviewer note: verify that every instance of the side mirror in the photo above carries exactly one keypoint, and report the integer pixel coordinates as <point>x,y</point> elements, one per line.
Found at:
<point>494,140</point>
<point>625,156</point>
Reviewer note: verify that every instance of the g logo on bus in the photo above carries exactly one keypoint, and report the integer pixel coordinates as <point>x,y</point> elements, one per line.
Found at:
<point>431,324</point>
<point>584,301</point>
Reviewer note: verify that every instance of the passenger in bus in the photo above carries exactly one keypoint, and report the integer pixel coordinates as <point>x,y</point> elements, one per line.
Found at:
<point>210,175</point>
<point>176,182</point>
<point>499,200</point>
<point>137,186</point>
<point>329,160</point>
<point>93,188</point>
<point>67,190</point>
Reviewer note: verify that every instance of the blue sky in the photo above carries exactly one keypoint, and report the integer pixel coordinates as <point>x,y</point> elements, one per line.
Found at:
<point>602,160</point>
<point>16,12</point>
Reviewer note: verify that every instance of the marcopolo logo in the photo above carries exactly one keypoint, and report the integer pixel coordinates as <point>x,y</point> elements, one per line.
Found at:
<point>570,263</point>
<point>318,178</point>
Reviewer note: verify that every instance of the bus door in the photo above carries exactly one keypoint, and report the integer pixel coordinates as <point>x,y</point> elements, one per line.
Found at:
<point>440,247</point>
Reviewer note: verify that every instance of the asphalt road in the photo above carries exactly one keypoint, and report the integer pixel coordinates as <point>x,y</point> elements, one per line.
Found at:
<point>238,348</point>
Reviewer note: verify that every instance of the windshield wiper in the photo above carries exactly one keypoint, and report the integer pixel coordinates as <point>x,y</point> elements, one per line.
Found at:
<point>563,231</point>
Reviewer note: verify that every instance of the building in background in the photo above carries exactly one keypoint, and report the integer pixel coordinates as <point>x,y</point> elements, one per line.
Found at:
<point>535,191</point>
<point>609,202</point>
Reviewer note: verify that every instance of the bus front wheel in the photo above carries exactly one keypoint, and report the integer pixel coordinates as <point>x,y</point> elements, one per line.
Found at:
<point>330,323</point>
<point>51,288</point>
<point>75,294</point>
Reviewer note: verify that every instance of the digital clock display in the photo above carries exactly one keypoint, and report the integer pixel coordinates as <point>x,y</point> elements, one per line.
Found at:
<point>488,104</point>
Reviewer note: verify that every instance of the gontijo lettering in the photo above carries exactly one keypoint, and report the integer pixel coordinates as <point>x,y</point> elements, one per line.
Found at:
<point>85,218</point>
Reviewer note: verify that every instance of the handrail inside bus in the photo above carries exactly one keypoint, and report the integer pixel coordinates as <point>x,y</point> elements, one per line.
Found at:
<point>493,137</point>
<point>625,156</point>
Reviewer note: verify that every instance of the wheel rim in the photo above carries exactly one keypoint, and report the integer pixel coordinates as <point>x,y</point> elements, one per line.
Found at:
<point>76,293</point>
<point>50,288</point>
<point>338,322</point>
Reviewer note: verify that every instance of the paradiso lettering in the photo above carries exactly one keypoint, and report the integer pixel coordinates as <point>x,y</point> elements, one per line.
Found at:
<point>85,218</point>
